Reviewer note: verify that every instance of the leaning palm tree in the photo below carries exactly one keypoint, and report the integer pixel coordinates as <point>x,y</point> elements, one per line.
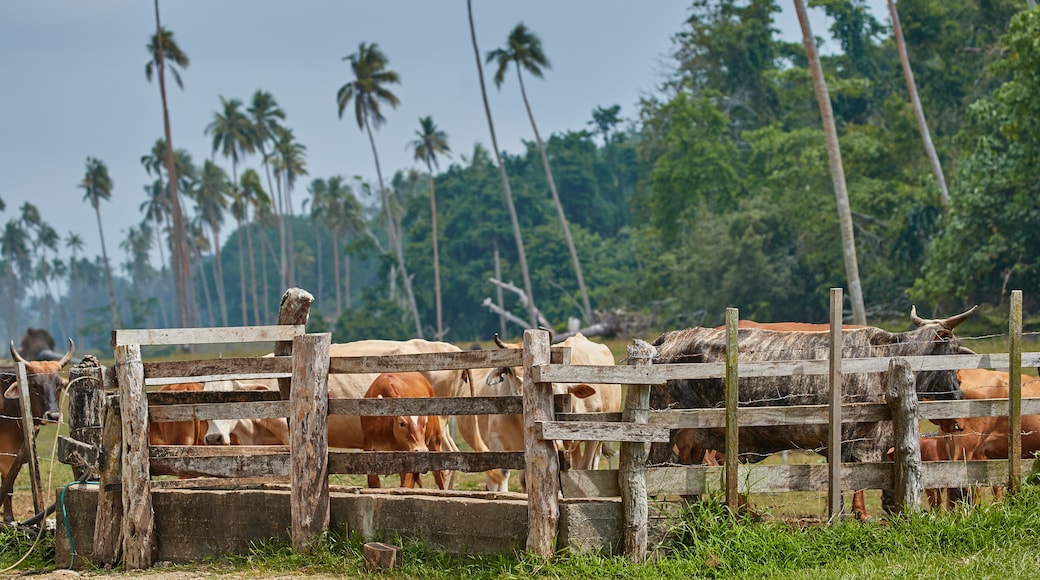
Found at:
<point>98,186</point>
<point>430,143</point>
<point>211,197</point>
<point>524,49</point>
<point>532,311</point>
<point>163,52</point>
<point>369,91</point>
<point>841,192</point>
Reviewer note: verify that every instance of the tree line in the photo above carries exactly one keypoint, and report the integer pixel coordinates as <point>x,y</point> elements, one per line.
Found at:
<point>720,192</point>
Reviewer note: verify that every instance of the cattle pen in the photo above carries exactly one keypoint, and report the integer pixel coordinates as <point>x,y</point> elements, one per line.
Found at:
<point>599,509</point>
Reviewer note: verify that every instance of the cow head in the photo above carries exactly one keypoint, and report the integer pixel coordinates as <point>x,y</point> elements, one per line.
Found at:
<point>935,337</point>
<point>45,385</point>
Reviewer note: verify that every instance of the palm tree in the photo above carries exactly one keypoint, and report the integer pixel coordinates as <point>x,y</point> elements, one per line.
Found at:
<point>162,50</point>
<point>368,91</point>
<point>265,114</point>
<point>915,101</point>
<point>98,186</point>
<point>233,133</point>
<point>211,199</point>
<point>289,164</point>
<point>156,208</point>
<point>253,196</point>
<point>14,247</point>
<point>532,311</point>
<point>75,245</point>
<point>430,143</point>
<point>524,49</point>
<point>841,192</point>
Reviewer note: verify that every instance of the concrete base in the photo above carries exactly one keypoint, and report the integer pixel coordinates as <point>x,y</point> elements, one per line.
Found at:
<point>192,524</point>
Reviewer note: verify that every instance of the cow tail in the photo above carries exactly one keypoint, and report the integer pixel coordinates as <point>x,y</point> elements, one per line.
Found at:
<point>467,378</point>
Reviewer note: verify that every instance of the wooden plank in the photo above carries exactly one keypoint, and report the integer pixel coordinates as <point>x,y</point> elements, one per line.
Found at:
<point>694,480</point>
<point>1015,392</point>
<point>438,406</point>
<point>230,483</point>
<point>732,391</point>
<point>201,397</point>
<point>969,473</point>
<point>390,462</point>
<point>29,437</point>
<point>426,361</point>
<point>208,412</point>
<point>542,465</point>
<point>229,334</point>
<point>139,542</point>
<point>902,398</point>
<point>834,416</point>
<point>201,371</point>
<point>86,397</point>
<point>83,457</point>
<point>108,520</point>
<point>604,431</point>
<point>308,437</point>
<point>253,465</point>
<point>610,417</point>
<point>631,477</point>
<point>210,451</point>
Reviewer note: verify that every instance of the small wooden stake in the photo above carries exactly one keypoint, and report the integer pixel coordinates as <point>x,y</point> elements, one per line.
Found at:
<point>380,556</point>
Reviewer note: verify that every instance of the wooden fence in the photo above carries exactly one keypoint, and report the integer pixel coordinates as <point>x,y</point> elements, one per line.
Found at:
<point>308,462</point>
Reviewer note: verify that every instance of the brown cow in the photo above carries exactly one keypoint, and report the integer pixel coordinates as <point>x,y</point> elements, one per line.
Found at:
<point>45,388</point>
<point>402,433</point>
<point>178,432</point>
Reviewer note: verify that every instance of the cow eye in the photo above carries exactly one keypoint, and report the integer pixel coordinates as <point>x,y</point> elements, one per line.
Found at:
<point>402,424</point>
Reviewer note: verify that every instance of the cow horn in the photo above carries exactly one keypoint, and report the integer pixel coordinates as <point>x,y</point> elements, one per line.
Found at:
<point>965,350</point>
<point>14,354</point>
<point>498,341</point>
<point>952,322</point>
<point>917,320</point>
<point>68,356</point>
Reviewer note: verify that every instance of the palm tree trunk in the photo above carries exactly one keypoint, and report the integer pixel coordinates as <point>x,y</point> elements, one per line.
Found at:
<point>252,273</point>
<point>219,276</point>
<point>242,275</point>
<point>436,255</point>
<point>290,244</point>
<point>335,274</point>
<point>911,86</point>
<point>498,288</point>
<point>180,258</point>
<point>346,281</point>
<point>210,314</point>
<point>532,311</point>
<point>848,240</point>
<point>108,271</point>
<point>587,315</point>
<point>395,238</point>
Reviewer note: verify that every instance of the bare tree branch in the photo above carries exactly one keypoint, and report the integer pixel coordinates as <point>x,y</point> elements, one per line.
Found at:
<point>510,317</point>
<point>523,300</point>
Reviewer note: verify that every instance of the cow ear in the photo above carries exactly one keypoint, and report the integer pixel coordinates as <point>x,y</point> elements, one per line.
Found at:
<point>12,391</point>
<point>582,391</point>
<point>496,376</point>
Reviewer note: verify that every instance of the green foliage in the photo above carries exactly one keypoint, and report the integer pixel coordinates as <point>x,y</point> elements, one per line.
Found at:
<point>15,543</point>
<point>377,317</point>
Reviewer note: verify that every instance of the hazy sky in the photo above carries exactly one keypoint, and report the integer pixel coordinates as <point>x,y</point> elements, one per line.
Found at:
<point>73,84</point>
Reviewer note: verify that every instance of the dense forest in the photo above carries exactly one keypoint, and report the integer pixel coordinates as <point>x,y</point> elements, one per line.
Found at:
<point>717,195</point>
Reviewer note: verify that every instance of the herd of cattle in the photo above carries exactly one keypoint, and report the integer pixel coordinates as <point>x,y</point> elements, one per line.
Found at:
<point>960,439</point>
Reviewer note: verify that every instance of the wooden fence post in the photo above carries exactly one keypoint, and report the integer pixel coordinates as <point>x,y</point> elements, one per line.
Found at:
<point>732,418</point>
<point>293,309</point>
<point>29,438</point>
<point>86,408</point>
<point>834,409</point>
<point>108,521</point>
<point>1015,392</point>
<point>901,396</point>
<point>632,460</point>
<point>542,464</point>
<point>309,439</point>
<point>138,523</point>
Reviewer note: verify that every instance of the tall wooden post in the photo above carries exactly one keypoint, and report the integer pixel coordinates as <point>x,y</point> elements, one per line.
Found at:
<point>139,545</point>
<point>834,409</point>
<point>29,438</point>
<point>632,461</point>
<point>732,418</point>
<point>901,396</point>
<point>86,408</point>
<point>108,521</point>
<point>1015,392</point>
<point>294,310</point>
<point>542,464</point>
<point>309,439</point>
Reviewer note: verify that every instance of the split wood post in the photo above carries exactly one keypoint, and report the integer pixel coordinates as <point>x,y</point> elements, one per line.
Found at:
<point>542,464</point>
<point>309,439</point>
<point>29,437</point>
<point>86,408</point>
<point>108,521</point>
<point>293,309</point>
<point>901,396</point>
<point>632,460</point>
<point>380,556</point>
<point>732,419</point>
<point>139,545</point>
<point>1015,393</point>
<point>834,409</point>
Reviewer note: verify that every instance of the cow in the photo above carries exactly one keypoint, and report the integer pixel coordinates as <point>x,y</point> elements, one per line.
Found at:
<point>505,432</point>
<point>45,389</point>
<point>402,433</point>
<point>178,432</point>
<point>863,442</point>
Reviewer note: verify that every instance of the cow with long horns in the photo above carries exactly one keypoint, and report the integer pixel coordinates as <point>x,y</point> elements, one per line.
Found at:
<point>861,442</point>
<point>45,387</point>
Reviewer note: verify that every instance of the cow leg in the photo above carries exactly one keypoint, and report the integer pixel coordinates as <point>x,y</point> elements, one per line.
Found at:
<point>7,484</point>
<point>859,505</point>
<point>407,480</point>
<point>373,481</point>
<point>439,479</point>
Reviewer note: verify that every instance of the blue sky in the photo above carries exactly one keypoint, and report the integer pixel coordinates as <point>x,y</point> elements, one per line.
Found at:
<point>74,86</point>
